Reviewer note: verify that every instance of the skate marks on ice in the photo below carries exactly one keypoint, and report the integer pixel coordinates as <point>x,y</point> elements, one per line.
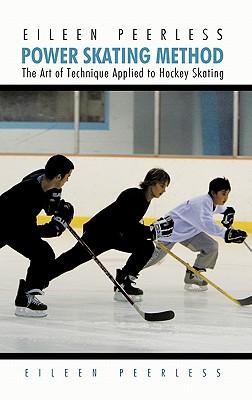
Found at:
<point>83,318</point>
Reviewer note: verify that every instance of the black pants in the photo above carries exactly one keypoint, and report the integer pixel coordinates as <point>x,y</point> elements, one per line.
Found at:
<point>140,248</point>
<point>40,254</point>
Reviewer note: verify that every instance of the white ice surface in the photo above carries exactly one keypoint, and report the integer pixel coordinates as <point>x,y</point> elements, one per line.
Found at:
<point>83,318</point>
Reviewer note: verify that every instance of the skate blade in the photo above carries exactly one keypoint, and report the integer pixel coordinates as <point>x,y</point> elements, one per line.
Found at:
<point>118,296</point>
<point>190,287</point>
<point>26,312</point>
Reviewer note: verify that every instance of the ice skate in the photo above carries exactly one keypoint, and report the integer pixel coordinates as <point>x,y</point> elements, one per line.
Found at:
<point>27,305</point>
<point>126,283</point>
<point>194,282</point>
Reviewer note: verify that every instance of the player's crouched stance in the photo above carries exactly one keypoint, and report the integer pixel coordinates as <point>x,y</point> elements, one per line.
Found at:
<point>194,222</point>
<point>26,302</point>
<point>19,208</point>
<point>118,226</point>
<point>162,228</point>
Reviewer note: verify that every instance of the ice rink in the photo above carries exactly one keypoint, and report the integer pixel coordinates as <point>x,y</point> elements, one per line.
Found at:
<point>84,318</point>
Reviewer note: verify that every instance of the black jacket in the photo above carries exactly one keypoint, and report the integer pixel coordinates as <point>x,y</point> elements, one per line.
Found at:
<point>123,216</point>
<point>20,206</point>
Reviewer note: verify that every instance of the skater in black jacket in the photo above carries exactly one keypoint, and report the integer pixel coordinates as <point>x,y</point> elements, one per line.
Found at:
<point>119,227</point>
<point>19,207</point>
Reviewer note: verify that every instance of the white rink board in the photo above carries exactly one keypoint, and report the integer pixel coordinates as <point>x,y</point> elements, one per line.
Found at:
<point>97,181</point>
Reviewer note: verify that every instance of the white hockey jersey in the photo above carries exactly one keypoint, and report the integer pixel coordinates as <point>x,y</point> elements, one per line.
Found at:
<point>194,216</point>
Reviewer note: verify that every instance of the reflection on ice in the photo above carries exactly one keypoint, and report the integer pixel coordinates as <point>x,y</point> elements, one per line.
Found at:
<point>83,318</point>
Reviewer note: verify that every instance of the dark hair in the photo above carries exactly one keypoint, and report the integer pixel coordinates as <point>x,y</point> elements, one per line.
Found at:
<point>58,165</point>
<point>155,175</point>
<point>219,184</point>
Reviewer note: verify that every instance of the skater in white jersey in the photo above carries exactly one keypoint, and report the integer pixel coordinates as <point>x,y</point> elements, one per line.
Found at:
<point>194,222</point>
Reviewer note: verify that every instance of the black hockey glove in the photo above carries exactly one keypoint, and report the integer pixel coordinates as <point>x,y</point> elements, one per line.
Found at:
<point>162,228</point>
<point>228,217</point>
<point>235,236</point>
<point>52,201</point>
<point>63,216</point>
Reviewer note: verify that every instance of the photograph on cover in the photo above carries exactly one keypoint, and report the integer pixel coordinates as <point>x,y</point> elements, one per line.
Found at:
<point>130,211</point>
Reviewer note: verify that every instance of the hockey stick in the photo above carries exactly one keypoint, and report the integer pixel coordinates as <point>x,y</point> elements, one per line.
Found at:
<point>156,316</point>
<point>242,302</point>
<point>248,247</point>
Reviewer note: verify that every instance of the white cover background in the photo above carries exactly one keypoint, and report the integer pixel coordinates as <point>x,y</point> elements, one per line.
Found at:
<point>233,17</point>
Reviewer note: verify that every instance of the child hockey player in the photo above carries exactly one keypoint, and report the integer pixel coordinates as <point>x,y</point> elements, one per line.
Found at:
<point>194,222</point>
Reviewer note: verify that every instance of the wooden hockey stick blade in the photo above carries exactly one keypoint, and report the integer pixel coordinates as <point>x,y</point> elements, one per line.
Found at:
<point>155,316</point>
<point>242,302</point>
